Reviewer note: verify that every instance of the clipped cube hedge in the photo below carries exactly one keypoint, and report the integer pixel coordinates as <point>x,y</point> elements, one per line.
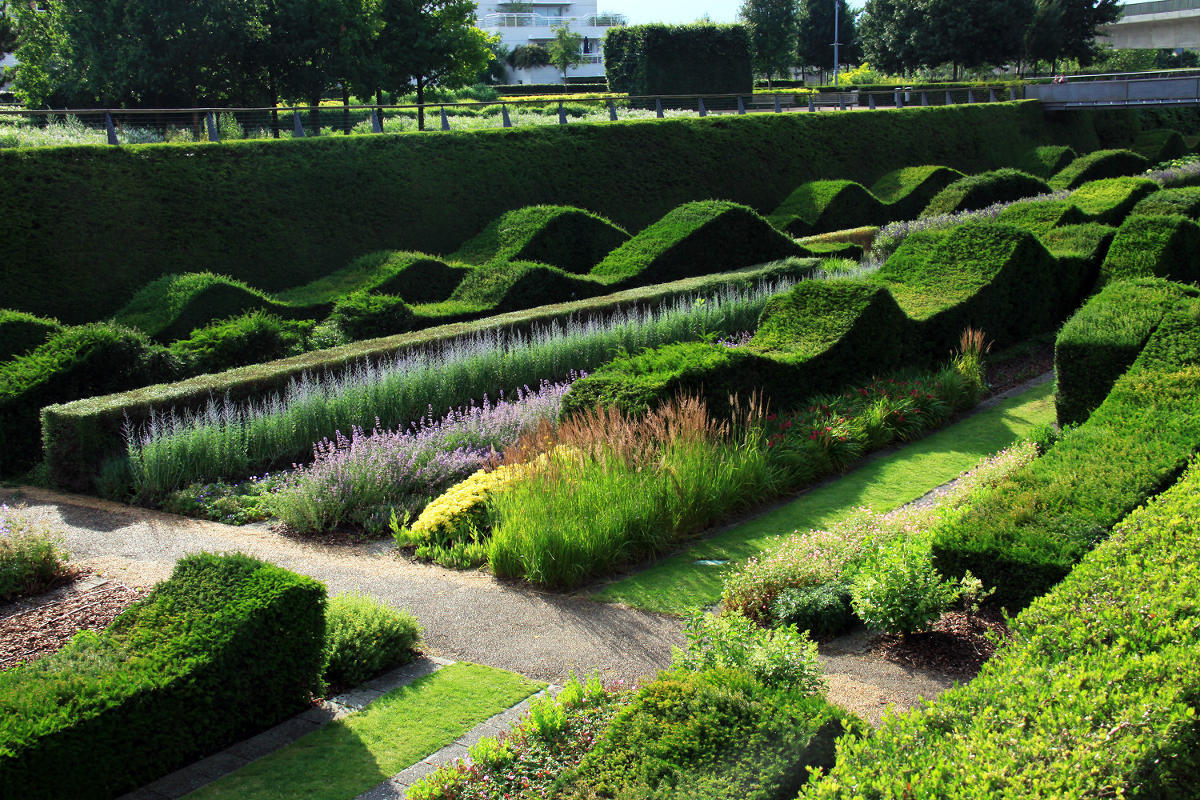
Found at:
<point>1028,533</point>
<point>1165,246</point>
<point>1093,696</point>
<point>678,59</point>
<point>1103,338</point>
<point>227,647</point>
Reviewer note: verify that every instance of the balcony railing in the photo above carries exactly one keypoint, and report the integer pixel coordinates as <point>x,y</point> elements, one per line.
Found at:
<point>549,21</point>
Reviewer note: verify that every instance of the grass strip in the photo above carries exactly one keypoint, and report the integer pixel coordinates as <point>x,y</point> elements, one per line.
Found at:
<point>678,583</point>
<point>349,756</point>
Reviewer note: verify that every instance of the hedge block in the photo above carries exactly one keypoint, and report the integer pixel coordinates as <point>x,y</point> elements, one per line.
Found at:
<point>678,59</point>
<point>1161,246</point>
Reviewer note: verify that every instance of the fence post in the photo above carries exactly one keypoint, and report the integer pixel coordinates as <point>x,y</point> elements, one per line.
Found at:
<point>870,101</point>
<point>376,122</point>
<point>897,99</point>
<point>991,95</point>
<point>741,105</point>
<point>445,121</point>
<point>970,96</point>
<point>562,115</point>
<point>841,101</point>
<point>214,134</point>
<point>811,105</point>
<point>778,108</point>
<point>658,107</point>
<point>108,126</point>
<point>507,120</point>
<point>703,110</point>
<point>612,112</point>
<point>949,99</point>
<point>297,126</point>
<point>924,98</point>
<point>1012,93</point>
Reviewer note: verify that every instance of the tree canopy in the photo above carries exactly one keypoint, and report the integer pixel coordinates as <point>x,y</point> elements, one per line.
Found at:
<point>773,28</point>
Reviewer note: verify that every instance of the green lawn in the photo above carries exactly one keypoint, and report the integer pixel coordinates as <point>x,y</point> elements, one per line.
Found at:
<point>347,757</point>
<point>678,583</point>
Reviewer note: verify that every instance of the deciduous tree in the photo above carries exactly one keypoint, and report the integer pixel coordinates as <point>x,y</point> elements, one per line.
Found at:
<point>774,29</point>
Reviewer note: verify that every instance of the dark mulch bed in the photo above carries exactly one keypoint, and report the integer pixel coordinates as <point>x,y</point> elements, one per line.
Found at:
<point>956,645</point>
<point>37,626</point>
<point>1016,368</point>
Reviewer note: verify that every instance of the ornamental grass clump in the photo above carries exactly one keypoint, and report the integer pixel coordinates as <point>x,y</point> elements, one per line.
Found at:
<point>364,478</point>
<point>630,489</point>
<point>30,559</point>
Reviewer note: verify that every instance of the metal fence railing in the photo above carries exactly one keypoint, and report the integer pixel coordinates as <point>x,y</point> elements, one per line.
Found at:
<point>32,127</point>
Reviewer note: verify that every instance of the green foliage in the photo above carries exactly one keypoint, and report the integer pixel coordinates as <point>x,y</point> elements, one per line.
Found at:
<point>821,206</point>
<point>249,339</point>
<point>1109,200</point>
<point>565,50</point>
<point>908,190</point>
<point>21,332</point>
<point>503,286</point>
<point>226,647</point>
<point>1154,246</point>
<point>693,239</point>
<point>157,207</point>
<point>361,315</point>
<point>79,361</point>
<point>1048,159</point>
<point>1101,340</point>
<point>982,190</point>
<point>30,559</point>
<point>1086,245</point>
<point>824,610</point>
<point>678,59</point>
<point>1093,696</point>
<point>1099,164</point>
<point>1158,145</point>
<point>1041,216</point>
<point>783,657</point>
<point>773,30</point>
<point>363,638</point>
<point>417,277</point>
<point>898,590</point>
<point>1026,535</point>
<point>568,238</point>
<point>1183,200</point>
<point>174,305</point>
<point>717,733</point>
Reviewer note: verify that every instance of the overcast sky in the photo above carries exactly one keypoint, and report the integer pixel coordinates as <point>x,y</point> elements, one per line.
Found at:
<point>640,11</point>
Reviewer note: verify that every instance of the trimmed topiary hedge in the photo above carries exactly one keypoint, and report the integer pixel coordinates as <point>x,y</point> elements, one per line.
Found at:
<point>1094,695</point>
<point>1098,343</point>
<point>1026,535</point>
<point>248,339</point>
<point>1080,249</point>
<point>678,59</point>
<point>1160,145</point>
<point>504,286</point>
<point>1162,246</point>
<point>694,239</point>
<point>78,361</point>
<point>1041,216</point>
<point>1109,200</point>
<point>87,227</point>
<point>1183,200</point>
<point>21,332</point>
<point>416,277</point>
<point>1048,159</point>
<point>907,190</point>
<point>227,647</point>
<point>822,206</point>
<point>569,238</point>
<point>1097,165</point>
<point>981,191</point>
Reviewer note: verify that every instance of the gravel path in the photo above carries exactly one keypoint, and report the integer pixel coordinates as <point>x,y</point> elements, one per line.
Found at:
<point>466,615</point>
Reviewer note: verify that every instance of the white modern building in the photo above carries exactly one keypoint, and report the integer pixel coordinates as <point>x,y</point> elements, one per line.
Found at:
<point>534,22</point>
<point>1157,24</point>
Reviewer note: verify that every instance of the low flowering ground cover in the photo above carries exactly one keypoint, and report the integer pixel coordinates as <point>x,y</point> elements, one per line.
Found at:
<point>367,477</point>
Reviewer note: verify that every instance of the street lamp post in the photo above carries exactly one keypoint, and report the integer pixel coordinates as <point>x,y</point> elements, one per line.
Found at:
<point>836,43</point>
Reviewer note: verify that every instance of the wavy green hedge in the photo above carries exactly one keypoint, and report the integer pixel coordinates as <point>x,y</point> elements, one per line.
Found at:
<point>87,227</point>
<point>571,239</point>
<point>1026,535</point>
<point>1040,216</point>
<point>21,332</point>
<point>1094,695</point>
<point>1097,165</point>
<point>1183,200</point>
<point>1161,144</point>
<point>1159,246</point>
<point>980,191</point>
<point>227,647</point>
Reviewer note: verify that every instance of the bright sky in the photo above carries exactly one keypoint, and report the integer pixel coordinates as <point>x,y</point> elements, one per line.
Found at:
<point>677,11</point>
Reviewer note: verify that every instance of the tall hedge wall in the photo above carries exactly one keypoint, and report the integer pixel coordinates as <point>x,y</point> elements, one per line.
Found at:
<point>86,227</point>
<point>679,59</point>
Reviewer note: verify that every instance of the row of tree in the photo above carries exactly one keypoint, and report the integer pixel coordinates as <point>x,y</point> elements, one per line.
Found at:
<point>903,35</point>
<point>178,53</point>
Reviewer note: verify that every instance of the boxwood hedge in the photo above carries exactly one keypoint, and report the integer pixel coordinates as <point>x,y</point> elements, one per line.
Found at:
<point>1099,164</point>
<point>1183,200</point>
<point>225,648</point>
<point>1101,340</point>
<point>1109,200</point>
<point>568,238</point>
<point>21,332</point>
<point>1167,246</point>
<point>1093,696</point>
<point>1048,159</point>
<point>87,227</point>
<point>982,190</point>
<point>1025,536</point>
<point>822,206</point>
<point>1040,216</point>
